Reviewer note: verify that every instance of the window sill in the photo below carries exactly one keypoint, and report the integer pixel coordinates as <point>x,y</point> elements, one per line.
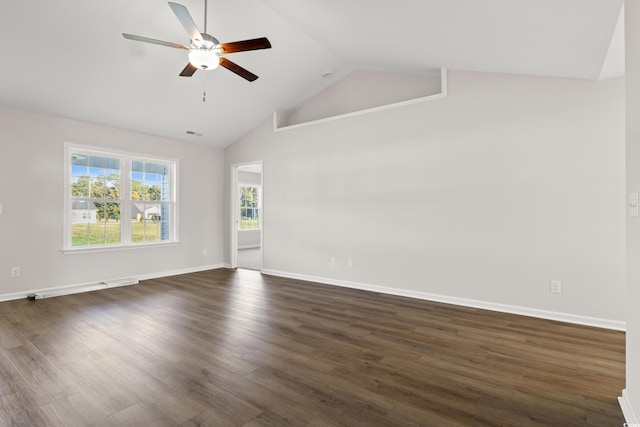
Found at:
<point>92,249</point>
<point>249,229</point>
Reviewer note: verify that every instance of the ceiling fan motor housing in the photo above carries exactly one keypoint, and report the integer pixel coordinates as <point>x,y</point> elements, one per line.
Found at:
<point>209,42</point>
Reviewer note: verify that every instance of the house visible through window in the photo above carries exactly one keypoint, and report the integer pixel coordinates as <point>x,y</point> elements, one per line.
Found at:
<point>118,199</point>
<point>249,207</point>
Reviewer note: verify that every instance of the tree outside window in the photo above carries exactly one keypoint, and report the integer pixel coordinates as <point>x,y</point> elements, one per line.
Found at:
<point>249,208</point>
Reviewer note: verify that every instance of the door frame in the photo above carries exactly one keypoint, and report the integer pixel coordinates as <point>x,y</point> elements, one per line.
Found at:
<point>234,213</point>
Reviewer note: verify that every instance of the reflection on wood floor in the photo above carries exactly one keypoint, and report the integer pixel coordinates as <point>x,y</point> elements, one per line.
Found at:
<point>250,259</point>
<point>235,348</point>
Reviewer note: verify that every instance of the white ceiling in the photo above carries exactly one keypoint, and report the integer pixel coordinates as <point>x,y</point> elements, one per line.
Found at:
<point>68,57</point>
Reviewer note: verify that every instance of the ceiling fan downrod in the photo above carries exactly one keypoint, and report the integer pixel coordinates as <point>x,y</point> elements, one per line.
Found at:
<point>205,16</point>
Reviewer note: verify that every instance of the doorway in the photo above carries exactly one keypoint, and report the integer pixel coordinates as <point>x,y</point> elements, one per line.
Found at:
<point>247,224</point>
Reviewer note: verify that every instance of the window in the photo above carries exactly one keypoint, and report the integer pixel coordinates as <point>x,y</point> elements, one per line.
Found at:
<point>249,207</point>
<point>118,199</point>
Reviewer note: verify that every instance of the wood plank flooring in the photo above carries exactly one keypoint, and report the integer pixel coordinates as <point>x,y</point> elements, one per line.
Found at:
<point>235,348</point>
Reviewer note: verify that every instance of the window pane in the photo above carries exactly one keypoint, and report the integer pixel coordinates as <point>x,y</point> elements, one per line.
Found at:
<point>137,222</point>
<point>79,160</point>
<point>249,208</point>
<point>79,234</point>
<point>152,190</point>
<point>165,189</point>
<point>97,162</point>
<point>249,197</point>
<point>165,221</point>
<point>80,186</point>
<point>136,190</point>
<point>136,166</point>
<point>150,222</point>
<point>96,188</point>
<point>112,188</point>
<point>150,168</point>
<point>145,192</point>
<point>152,231</point>
<point>113,164</point>
<point>249,219</point>
<point>94,223</point>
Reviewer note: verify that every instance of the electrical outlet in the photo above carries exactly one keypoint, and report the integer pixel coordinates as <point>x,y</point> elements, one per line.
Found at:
<point>555,287</point>
<point>333,262</point>
<point>15,272</point>
<point>349,263</point>
<point>204,252</point>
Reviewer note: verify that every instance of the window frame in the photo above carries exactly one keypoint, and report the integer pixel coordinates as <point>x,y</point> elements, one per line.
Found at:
<point>126,158</point>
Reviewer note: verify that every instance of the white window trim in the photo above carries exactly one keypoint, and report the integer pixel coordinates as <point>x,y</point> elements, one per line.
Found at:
<point>125,171</point>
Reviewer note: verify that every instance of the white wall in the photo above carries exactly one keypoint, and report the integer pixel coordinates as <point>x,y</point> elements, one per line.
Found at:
<point>486,195</point>
<point>248,178</point>
<point>248,239</point>
<point>32,195</point>
<point>631,396</point>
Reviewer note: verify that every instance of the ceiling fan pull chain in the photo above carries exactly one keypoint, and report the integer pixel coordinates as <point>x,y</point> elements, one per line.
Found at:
<point>204,88</point>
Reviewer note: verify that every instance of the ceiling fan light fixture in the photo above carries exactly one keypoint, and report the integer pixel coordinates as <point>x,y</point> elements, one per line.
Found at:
<point>204,59</point>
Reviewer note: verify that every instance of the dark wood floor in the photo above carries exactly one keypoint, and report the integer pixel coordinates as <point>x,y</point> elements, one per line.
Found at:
<point>234,348</point>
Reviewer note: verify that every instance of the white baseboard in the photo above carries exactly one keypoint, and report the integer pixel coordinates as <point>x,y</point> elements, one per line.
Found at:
<point>181,271</point>
<point>90,285</point>
<point>485,305</point>
<point>524,311</point>
<point>629,410</point>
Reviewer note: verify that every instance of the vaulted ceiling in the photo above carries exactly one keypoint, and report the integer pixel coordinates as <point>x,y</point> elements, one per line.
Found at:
<point>68,57</point>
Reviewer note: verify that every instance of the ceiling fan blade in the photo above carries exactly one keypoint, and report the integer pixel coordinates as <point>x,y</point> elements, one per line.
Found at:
<point>235,68</point>
<point>188,70</point>
<point>187,22</point>
<point>244,45</point>
<point>154,41</point>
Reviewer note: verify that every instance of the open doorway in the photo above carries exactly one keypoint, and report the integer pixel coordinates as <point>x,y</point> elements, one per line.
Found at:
<point>247,221</point>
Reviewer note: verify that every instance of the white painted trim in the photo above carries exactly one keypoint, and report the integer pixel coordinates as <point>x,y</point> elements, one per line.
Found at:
<point>90,285</point>
<point>135,246</point>
<point>81,289</point>
<point>235,211</point>
<point>485,305</point>
<point>629,410</point>
<point>249,247</point>
<point>178,272</point>
<point>125,158</point>
<point>442,94</point>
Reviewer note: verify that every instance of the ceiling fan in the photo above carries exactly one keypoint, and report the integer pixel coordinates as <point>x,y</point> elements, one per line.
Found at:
<point>205,50</point>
